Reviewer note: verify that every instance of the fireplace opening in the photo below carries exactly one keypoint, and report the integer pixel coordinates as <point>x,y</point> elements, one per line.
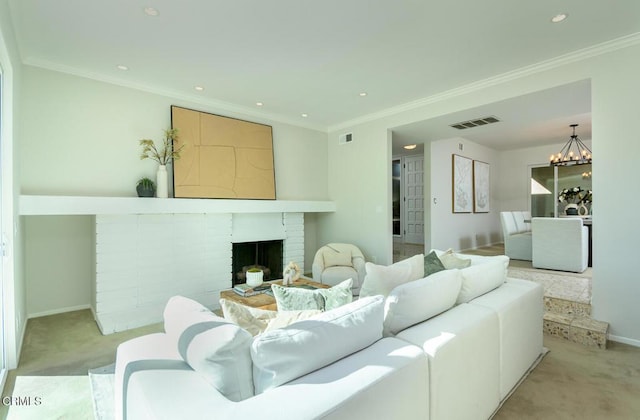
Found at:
<point>266,255</point>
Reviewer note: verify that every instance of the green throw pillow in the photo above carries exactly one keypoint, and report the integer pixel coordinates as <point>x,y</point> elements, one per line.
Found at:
<point>300,299</point>
<point>296,298</point>
<point>338,295</point>
<point>432,264</point>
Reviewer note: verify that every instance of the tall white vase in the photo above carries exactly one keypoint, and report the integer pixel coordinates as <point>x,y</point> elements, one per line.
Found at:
<point>162,189</point>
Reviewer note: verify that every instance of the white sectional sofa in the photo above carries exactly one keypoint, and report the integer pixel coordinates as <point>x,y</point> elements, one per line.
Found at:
<point>516,230</point>
<point>447,346</point>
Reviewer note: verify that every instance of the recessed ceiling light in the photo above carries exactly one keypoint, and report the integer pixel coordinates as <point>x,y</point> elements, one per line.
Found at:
<point>363,93</point>
<point>304,115</point>
<point>259,104</point>
<point>122,67</point>
<point>198,88</point>
<point>559,17</point>
<point>410,146</point>
<point>150,11</point>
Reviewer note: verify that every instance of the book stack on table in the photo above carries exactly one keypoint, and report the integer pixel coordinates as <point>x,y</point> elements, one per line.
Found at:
<point>244,290</point>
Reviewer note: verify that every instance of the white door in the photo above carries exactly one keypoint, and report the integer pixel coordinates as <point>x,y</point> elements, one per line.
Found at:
<point>414,199</point>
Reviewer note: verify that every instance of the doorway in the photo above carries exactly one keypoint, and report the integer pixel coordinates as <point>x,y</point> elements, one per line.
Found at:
<point>407,173</point>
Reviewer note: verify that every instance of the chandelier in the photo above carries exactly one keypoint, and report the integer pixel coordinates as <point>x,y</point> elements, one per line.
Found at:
<point>575,152</point>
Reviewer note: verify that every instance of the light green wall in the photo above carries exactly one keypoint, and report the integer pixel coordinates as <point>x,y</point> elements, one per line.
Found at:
<point>615,87</point>
<point>461,231</point>
<point>358,180</point>
<point>61,275</point>
<point>360,184</point>
<point>80,137</point>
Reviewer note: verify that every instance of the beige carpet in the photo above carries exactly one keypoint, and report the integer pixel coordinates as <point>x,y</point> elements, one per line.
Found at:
<point>579,382</point>
<point>50,398</point>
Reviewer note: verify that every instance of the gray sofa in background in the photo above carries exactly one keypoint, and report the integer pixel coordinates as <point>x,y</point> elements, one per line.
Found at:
<point>516,229</point>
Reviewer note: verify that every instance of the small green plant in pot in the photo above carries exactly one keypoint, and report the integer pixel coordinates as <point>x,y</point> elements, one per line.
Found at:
<point>146,187</point>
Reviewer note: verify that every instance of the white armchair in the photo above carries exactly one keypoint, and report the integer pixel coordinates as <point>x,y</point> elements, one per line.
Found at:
<point>337,262</point>
<point>517,234</point>
<point>560,243</point>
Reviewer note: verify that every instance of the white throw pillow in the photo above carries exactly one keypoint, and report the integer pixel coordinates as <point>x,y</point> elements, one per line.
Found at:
<point>214,347</point>
<point>382,279</point>
<point>450,260</point>
<point>479,279</point>
<point>478,259</point>
<point>483,259</point>
<point>282,355</point>
<point>254,320</point>
<point>284,319</point>
<point>332,257</point>
<point>419,300</point>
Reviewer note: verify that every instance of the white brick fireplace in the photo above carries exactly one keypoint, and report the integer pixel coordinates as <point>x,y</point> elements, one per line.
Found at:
<point>148,250</point>
<point>143,260</point>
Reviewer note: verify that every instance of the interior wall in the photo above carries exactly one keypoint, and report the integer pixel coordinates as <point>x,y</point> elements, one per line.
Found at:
<point>461,231</point>
<point>57,243</point>
<point>615,290</point>
<point>360,184</point>
<point>614,84</point>
<point>428,200</point>
<point>75,129</point>
<point>80,137</point>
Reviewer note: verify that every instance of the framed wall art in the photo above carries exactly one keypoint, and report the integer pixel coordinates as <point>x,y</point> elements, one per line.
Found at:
<point>222,157</point>
<point>462,183</point>
<point>481,193</point>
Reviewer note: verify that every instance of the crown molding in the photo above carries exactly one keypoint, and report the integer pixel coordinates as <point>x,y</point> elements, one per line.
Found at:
<point>263,117</point>
<point>578,55</point>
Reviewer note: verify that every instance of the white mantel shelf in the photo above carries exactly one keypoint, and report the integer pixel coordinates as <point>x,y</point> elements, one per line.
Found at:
<point>41,205</point>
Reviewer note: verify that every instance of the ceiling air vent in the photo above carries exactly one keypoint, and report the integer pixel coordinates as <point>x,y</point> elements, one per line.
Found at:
<point>463,125</point>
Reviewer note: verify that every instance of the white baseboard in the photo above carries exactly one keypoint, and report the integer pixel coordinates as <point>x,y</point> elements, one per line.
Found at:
<point>624,340</point>
<point>59,311</point>
<point>480,246</point>
<point>23,333</point>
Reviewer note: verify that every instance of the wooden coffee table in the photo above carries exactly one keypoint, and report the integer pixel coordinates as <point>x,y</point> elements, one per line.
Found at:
<point>263,300</point>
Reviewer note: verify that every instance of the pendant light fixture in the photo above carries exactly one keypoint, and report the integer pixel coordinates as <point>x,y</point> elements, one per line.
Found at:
<point>575,152</point>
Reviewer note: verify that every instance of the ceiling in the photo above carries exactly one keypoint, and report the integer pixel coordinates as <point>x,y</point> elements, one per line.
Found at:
<point>317,58</point>
<point>536,119</point>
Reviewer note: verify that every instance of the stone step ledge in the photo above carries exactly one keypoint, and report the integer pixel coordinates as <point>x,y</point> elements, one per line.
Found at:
<point>566,307</point>
<point>577,329</point>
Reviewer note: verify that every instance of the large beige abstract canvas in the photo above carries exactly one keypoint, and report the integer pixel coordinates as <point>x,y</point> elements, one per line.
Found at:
<point>222,157</point>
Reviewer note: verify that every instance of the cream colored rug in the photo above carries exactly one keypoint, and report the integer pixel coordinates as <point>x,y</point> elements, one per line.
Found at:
<point>51,398</point>
<point>102,389</point>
